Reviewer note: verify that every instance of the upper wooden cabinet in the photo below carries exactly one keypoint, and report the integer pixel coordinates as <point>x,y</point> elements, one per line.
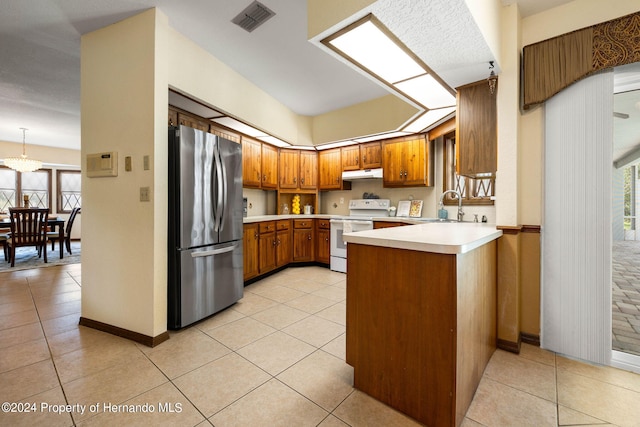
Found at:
<point>371,155</point>
<point>289,166</point>
<point>330,167</point>
<point>476,130</point>
<point>251,163</point>
<point>298,169</point>
<point>308,170</point>
<point>362,156</point>
<point>350,157</point>
<point>407,162</point>
<point>193,122</point>
<point>269,166</point>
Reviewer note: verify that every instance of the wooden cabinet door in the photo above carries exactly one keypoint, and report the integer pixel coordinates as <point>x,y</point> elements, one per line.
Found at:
<point>283,247</point>
<point>476,130</point>
<point>250,251</point>
<point>415,172</point>
<point>392,164</point>
<point>330,167</point>
<point>308,170</point>
<point>323,249</point>
<point>267,243</point>
<point>251,163</point>
<point>193,122</point>
<point>371,155</point>
<point>303,245</point>
<point>350,157</point>
<point>269,166</point>
<point>289,168</point>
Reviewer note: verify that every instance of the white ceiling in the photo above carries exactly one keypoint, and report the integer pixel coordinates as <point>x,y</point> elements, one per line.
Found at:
<point>40,51</point>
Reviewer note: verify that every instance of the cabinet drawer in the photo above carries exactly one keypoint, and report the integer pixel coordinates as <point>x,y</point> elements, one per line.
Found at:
<point>324,224</point>
<point>267,227</point>
<point>283,224</point>
<point>302,223</point>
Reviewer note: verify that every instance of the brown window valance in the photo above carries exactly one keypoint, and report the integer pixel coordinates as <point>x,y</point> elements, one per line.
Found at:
<point>551,65</point>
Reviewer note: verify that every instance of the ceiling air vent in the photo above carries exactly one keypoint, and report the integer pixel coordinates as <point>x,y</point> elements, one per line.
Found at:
<point>253,16</point>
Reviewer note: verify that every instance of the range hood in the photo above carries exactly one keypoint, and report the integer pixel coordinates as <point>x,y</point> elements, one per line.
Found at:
<point>362,174</point>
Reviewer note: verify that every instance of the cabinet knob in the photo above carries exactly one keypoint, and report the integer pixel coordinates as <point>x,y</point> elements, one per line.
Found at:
<point>264,177</point>
<point>295,180</point>
<point>302,180</point>
<point>309,236</point>
<point>326,239</point>
<point>356,160</point>
<point>274,242</point>
<point>405,173</point>
<point>255,236</point>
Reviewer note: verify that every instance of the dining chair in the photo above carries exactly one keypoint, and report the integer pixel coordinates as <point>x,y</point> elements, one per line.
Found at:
<point>4,235</point>
<point>54,236</point>
<point>28,228</point>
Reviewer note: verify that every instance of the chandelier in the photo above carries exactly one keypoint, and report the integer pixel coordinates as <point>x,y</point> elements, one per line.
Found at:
<point>22,163</point>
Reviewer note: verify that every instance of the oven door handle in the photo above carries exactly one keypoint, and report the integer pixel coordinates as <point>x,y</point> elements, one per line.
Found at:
<point>356,222</point>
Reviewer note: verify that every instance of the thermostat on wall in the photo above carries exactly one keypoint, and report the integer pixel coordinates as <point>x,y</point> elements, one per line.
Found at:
<point>102,164</point>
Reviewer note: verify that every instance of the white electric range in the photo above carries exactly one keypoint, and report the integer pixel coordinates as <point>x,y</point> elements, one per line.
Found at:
<point>361,214</point>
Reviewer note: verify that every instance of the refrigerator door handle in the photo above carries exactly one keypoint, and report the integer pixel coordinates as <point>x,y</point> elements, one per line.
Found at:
<point>218,196</point>
<point>225,194</point>
<point>213,252</point>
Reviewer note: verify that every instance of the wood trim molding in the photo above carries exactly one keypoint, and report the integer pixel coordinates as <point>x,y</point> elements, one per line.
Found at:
<point>516,229</point>
<point>531,229</point>
<point>530,339</point>
<point>509,229</point>
<point>510,346</point>
<point>125,333</point>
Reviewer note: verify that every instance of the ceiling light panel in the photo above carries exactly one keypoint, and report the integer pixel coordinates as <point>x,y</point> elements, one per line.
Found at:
<point>427,91</point>
<point>274,141</point>
<point>427,119</point>
<point>239,126</point>
<point>373,49</point>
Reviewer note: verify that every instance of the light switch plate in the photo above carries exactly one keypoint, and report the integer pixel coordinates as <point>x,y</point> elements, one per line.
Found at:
<point>144,194</point>
<point>127,163</point>
<point>145,162</point>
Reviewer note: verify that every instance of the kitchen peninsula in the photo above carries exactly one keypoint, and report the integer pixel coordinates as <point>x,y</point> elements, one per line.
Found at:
<point>421,315</point>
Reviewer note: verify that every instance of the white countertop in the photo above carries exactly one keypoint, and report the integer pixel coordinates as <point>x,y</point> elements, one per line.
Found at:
<point>444,238</point>
<point>261,218</point>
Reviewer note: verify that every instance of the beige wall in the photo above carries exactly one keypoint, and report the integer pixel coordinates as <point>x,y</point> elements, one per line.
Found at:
<point>124,106</point>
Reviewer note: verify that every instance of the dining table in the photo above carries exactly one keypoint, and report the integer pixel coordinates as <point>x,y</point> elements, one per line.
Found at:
<point>52,223</point>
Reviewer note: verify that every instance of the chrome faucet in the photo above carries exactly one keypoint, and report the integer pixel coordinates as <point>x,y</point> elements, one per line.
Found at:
<point>460,213</point>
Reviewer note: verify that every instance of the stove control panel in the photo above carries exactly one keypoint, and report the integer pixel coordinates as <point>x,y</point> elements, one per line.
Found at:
<point>370,204</point>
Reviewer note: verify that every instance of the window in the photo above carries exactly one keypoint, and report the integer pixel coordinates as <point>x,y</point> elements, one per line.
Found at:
<point>14,186</point>
<point>629,197</point>
<point>69,195</point>
<point>474,191</point>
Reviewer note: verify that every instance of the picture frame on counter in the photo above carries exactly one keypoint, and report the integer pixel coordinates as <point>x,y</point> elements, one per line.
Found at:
<point>404,206</point>
<point>415,210</point>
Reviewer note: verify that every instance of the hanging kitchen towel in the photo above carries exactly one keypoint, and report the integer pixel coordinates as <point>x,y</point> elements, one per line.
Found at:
<point>347,227</point>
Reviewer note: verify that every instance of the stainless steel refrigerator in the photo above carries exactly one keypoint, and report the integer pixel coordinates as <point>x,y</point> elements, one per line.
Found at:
<point>204,225</point>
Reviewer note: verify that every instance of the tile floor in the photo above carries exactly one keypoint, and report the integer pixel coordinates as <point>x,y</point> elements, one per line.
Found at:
<point>274,358</point>
<point>626,296</point>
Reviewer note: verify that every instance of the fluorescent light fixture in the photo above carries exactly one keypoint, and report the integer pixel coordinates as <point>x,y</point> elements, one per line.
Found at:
<point>336,144</point>
<point>274,141</point>
<point>382,136</point>
<point>427,91</point>
<point>239,126</point>
<point>370,46</point>
<point>303,147</point>
<point>427,119</point>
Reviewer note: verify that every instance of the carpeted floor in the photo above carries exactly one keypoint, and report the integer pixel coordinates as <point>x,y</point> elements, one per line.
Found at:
<point>28,258</point>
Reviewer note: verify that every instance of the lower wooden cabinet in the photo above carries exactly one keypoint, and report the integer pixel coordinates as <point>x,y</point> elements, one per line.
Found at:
<point>267,246</point>
<point>323,247</point>
<point>283,242</point>
<point>303,240</point>
<point>250,251</point>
